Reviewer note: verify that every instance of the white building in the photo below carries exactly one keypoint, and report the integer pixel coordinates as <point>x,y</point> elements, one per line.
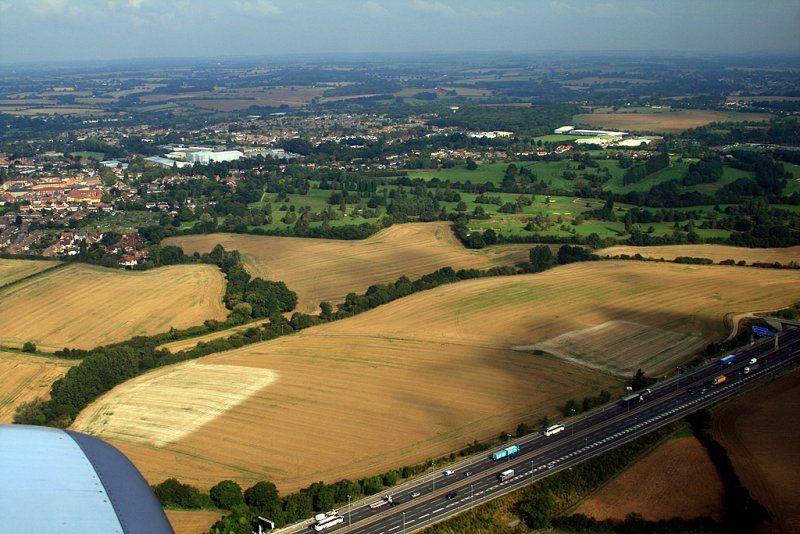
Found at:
<point>207,156</point>
<point>564,130</point>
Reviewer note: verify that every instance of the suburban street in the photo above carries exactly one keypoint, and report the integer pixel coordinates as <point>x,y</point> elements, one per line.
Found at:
<point>584,436</point>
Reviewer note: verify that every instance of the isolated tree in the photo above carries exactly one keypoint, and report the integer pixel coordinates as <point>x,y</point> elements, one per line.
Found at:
<point>226,494</point>
<point>541,258</point>
<point>471,165</point>
<point>29,346</point>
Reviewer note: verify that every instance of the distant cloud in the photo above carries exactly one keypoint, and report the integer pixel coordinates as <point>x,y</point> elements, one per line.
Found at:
<point>257,7</point>
<point>47,7</point>
<point>374,8</point>
<point>4,6</point>
<point>135,3</point>
<point>437,8</point>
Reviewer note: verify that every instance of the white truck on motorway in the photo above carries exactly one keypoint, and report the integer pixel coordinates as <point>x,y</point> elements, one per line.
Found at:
<point>505,475</point>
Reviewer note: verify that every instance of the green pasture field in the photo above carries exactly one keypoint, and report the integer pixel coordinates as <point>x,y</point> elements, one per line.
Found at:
<point>794,185</point>
<point>555,138</point>
<point>99,156</point>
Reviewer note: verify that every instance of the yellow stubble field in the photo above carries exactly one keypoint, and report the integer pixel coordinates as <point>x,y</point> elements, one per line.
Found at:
<point>327,269</point>
<point>11,270</point>
<point>421,376</point>
<point>717,253</point>
<point>25,377</point>
<point>83,306</point>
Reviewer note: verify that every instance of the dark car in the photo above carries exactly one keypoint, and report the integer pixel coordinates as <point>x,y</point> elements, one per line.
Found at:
<point>451,495</point>
<point>467,473</point>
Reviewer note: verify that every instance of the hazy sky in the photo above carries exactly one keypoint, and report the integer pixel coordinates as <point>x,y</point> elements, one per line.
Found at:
<point>43,30</point>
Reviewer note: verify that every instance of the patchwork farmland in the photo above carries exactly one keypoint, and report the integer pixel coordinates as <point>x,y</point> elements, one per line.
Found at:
<point>386,388</point>
<point>716,253</point>
<point>325,269</point>
<point>114,305</point>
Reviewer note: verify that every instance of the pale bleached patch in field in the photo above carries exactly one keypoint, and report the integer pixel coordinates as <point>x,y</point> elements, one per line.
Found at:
<point>162,407</point>
<point>619,347</point>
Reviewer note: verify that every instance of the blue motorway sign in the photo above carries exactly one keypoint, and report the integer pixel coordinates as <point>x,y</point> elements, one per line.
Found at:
<point>761,331</point>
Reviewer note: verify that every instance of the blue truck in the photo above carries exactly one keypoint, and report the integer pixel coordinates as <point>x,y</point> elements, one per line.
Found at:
<point>508,451</point>
<point>727,360</point>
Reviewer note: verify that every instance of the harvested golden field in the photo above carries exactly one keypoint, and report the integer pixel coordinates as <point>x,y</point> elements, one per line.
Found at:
<point>11,270</point>
<point>717,253</point>
<point>328,269</point>
<point>83,306</point>
<point>192,521</point>
<point>664,122</point>
<point>24,377</point>
<point>677,480</point>
<point>761,430</point>
<point>418,377</point>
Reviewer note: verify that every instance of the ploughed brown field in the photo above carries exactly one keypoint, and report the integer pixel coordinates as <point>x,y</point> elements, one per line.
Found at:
<point>424,375</point>
<point>328,269</point>
<point>717,253</point>
<point>664,122</point>
<point>677,480</point>
<point>83,306</point>
<point>761,431</point>
<point>24,377</point>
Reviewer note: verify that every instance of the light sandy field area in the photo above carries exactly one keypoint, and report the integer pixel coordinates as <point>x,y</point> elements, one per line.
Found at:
<point>761,431</point>
<point>421,376</point>
<point>192,521</point>
<point>327,269</point>
<point>11,270</point>
<point>717,253</point>
<point>24,377</point>
<point>665,122</point>
<point>83,306</point>
<point>677,480</point>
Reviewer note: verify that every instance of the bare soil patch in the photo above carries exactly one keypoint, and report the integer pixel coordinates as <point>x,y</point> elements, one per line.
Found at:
<point>24,377</point>
<point>82,306</point>
<point>327,269</point>
<point>761,431</point>
<point>677,480</point>
<point>717,253</point>
<point>426,374</point>
<point>666,122</point>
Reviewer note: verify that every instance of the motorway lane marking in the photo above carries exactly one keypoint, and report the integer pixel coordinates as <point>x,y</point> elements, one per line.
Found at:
<point>437,510</point>
<point>410,520</point>
<point>424,516</point>
<point>394,528</point>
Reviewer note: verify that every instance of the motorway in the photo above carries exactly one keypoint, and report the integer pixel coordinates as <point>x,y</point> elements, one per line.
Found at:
<point>584,437</point>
